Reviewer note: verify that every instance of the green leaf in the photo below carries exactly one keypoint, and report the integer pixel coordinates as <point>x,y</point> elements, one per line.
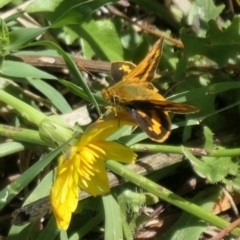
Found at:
<point>218,45</point>
<point>21,37</point>
<point>23,70</point>
<point>51,93</point>
<point>4,2</point>
<point>199,167</point>
<point>209,142</point>
<point>205,10</point>
<point>62,13</point>
<point>106,32</point>
<point>215,169</point>
<point>113,222</point>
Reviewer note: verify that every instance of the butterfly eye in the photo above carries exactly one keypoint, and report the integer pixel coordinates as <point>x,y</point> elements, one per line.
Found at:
<point>116,99</point>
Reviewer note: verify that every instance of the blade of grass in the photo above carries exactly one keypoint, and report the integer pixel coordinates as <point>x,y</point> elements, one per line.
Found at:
<point>50,231</point>
<point>9,192</point>
<point>86,228</point>
<point>80,92</point>
<point>51,93</point>
<point>21,37</point>
<point>72,68</point>
<point>113,222</point>
<point>8,148</point>
<point>23,70</point>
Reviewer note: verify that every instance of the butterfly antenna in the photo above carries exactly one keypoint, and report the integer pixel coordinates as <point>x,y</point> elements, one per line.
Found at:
<point>81,67</point>
<point>102,81</point>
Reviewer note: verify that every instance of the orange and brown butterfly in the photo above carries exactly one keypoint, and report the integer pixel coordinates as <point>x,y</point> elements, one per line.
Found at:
<point>135,93</point>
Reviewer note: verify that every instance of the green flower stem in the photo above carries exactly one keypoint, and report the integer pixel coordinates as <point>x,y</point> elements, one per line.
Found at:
<point>29,113</point>
<point>168,196</point>
<point>21,134</point>
<point>154,148</point>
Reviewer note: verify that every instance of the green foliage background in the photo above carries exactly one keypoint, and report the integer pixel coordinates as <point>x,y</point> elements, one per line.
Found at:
<point>204,72</point>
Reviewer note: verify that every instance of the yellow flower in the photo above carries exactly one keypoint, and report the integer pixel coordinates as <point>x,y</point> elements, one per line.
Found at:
<point>83,165</point>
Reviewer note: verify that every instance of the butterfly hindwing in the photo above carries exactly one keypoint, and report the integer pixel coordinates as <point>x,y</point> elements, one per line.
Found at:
<point>152,120</point>
<point>172,106</point>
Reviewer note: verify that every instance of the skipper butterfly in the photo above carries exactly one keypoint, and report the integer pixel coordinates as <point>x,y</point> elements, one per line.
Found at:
<point>135,92</point>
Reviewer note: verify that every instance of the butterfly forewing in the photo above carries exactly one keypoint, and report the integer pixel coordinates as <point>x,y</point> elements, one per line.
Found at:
<point>120,69</point>
<point>145,70</point>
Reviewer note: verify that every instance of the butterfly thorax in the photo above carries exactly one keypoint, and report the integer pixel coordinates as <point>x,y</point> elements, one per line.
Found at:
<point>110,95</point>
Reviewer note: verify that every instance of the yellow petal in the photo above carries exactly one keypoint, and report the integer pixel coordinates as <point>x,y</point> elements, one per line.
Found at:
<point>103,128</point>
<point>87,157</point>
<point>63,219</point>
<point>96,150</point>
<point>99,183</point>
<point>64,197</point>
<point>117,152</point>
